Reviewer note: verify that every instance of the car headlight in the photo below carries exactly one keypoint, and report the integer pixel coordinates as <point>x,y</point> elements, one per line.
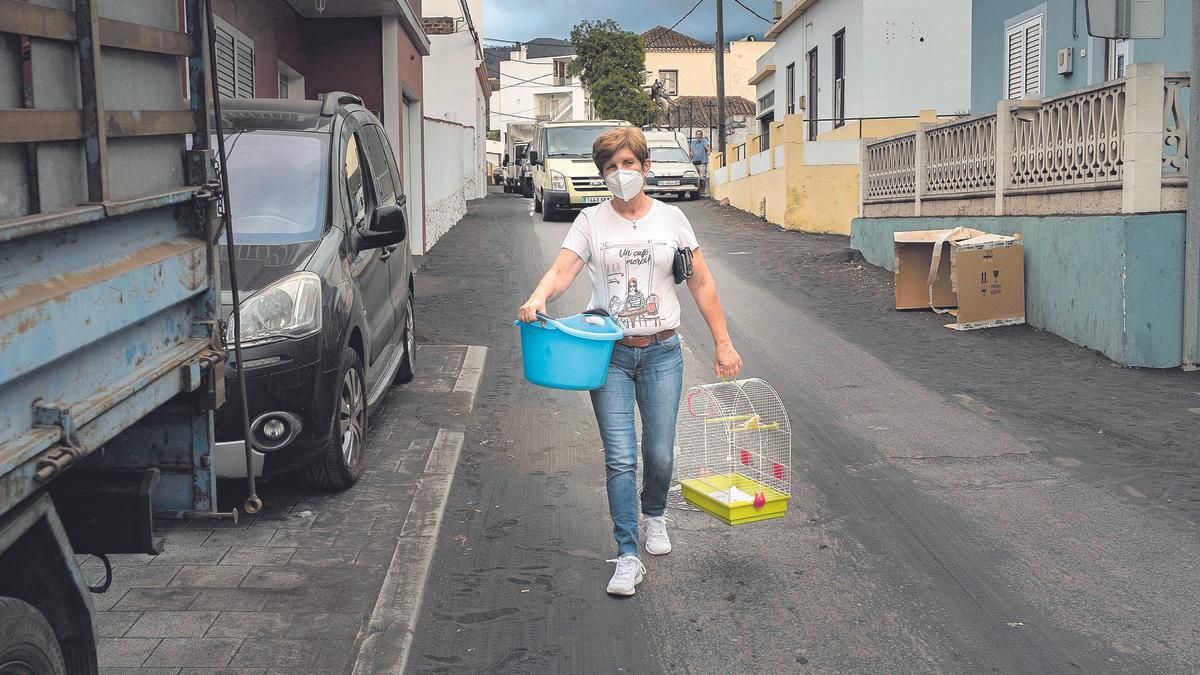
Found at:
<point>557,181</point>
<point>288,308</point>
<point>690,174</point>
<point>649,174</point>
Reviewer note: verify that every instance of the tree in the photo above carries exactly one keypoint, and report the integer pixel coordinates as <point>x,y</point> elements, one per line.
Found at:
<point>611,64</point>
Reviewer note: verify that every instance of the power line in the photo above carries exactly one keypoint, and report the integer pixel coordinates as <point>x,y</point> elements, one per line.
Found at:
<point>664,33</point>
<point>753,12</point>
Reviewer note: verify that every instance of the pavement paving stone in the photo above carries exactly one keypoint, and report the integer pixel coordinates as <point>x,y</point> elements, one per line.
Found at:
<point>188,537</point>
<point>114,624</point>
<point>222,671</point>
<point>252,625</point>
<point>124,652</point>
<point>231,599</point>
<point>190,555</point>
<point>210,576</point>
<point>163,624</point>
<point>288,589</point>
<point>157,599</point>
<point>194,652</point>
<point>144,576</point>
<point>139,671</point>
<point>258,555</point>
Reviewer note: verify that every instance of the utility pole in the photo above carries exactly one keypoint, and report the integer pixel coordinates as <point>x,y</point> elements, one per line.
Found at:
<point>1191,242</point>
<point>720,46</point>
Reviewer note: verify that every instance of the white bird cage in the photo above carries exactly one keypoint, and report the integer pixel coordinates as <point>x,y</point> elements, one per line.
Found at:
<point>735,451</point>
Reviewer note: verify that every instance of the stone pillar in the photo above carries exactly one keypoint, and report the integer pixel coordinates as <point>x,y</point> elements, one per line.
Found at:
<point>919,159</point>
<point>1141,188</point>
<point>1004,151</point>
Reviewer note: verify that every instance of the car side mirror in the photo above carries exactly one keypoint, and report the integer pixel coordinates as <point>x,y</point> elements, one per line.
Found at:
<point>388,226</point>
<point>533,157</point>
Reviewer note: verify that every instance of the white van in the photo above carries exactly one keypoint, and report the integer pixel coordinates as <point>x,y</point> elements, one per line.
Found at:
<point>672,173</point>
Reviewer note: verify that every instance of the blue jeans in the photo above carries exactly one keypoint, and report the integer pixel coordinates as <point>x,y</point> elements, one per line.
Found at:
<point>653,378</point>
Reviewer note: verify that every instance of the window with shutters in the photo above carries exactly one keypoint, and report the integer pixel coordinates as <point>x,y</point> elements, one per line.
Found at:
<point>235,62</point>
<point>1023,59</point>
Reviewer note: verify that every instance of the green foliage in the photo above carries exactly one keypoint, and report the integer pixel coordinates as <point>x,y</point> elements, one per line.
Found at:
<point>611,64</point>
<point>493,135</point>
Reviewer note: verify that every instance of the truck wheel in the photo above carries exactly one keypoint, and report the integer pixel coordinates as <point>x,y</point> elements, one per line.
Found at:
<point>27,642</point>
<point>537,204</point>
<point>527,190</point>
<point>341,460</point>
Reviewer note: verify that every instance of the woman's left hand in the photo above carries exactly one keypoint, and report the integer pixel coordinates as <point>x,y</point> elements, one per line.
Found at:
<point>727,364</point>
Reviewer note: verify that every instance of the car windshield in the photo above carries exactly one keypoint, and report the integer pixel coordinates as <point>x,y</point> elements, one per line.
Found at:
<point>277,185</point>
<point>668,153</point>
<point>572,141</point>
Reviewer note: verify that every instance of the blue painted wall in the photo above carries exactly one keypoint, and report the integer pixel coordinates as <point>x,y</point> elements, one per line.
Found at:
<point>1109,283</point>
<point>987,50</point>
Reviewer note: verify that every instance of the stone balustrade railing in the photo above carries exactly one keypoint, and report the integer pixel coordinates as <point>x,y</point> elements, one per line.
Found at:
<point>1005,162</point>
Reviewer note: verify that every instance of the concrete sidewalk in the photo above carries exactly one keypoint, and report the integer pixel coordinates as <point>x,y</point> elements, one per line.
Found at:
<point>294,589</point>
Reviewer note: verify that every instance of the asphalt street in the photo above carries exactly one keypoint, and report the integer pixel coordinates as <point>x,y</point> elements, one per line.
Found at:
<point>994,501</point>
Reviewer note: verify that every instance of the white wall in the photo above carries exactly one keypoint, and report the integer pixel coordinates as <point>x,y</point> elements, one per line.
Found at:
<point>901,56</point>
<point>920,56</point>
<point>452,91</point>
<point>450,176</point>
<point>521,82</point>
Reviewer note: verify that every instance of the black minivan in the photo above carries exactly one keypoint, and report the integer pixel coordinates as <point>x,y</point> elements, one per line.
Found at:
<point>325,276</point>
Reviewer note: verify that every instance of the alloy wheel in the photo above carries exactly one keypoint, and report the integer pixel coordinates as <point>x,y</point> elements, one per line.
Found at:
<point>352,417</point>
<point>410,338</point>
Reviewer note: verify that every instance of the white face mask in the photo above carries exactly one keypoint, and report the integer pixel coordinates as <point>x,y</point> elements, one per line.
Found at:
<point>625,184</point>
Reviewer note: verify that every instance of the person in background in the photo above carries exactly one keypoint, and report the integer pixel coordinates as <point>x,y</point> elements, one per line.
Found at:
<point>698,149</point>
<point>631,240</point>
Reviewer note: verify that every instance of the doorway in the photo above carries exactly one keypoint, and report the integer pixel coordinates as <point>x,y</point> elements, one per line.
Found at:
<point>414,180</point>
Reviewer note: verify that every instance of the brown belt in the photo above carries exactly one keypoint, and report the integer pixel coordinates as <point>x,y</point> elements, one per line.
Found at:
<point>646,340</point>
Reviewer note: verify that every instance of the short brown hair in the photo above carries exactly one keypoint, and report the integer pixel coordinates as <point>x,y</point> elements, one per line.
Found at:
<point>610,142</point>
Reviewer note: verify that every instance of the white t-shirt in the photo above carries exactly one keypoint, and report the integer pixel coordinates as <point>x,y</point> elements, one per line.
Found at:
<point>631,263</point>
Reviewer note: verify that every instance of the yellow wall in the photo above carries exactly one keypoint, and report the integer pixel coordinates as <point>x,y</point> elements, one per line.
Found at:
<point>698,70</point>
<point>798,197</point>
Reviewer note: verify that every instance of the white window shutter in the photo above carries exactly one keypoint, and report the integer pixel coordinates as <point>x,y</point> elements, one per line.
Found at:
<point>1023,59</point>
<point>1033,59</point>
<point>226,75</point>
<point>245,70</point>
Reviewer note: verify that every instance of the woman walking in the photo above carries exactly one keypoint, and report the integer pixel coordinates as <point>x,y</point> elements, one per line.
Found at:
<point>628,245</point>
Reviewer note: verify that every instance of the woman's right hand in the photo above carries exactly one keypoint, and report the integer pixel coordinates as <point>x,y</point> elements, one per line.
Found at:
<point>529,311</point>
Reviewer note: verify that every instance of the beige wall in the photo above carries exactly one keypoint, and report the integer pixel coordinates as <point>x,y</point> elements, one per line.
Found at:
<point>698,70</point>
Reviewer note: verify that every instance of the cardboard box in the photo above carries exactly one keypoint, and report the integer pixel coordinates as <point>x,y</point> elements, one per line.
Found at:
<point>987,274</point>
<point>920,284</point>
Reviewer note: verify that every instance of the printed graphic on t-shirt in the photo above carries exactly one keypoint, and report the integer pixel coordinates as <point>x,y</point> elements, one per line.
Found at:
<point>630,272</point>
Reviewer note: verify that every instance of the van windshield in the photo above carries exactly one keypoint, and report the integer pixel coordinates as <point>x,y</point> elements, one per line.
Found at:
<point>278,183</point>
<point>572,141</point>
<point>668,153</point>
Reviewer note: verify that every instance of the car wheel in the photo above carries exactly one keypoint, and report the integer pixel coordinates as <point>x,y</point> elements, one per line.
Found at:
<point>27,642</point>
<point>537,204</point>
<point>341,461</point>
<point>407,369</point>
<point>527,191</point>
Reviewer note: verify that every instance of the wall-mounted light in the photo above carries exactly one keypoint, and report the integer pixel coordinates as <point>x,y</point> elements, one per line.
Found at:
<point>319,5</point>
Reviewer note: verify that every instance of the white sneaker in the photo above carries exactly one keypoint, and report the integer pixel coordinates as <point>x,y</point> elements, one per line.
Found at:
<point>657,541</point>
<point>630,571</point>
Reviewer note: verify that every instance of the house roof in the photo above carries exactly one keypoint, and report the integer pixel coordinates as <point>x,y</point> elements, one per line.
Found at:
<point>660,38</point>
<point>701,111</point>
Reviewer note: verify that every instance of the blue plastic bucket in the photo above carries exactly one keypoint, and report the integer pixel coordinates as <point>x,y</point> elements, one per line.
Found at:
<point>571,353</point>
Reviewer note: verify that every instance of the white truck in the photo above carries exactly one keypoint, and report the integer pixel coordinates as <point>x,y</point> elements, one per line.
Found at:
<point>516,165</point>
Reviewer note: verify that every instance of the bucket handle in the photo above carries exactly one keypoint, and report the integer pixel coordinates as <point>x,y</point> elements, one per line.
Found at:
<point>573,331</point>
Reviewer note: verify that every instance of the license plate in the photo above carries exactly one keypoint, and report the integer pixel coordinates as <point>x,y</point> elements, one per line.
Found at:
<point>668,182</point>
<point>593,200</point>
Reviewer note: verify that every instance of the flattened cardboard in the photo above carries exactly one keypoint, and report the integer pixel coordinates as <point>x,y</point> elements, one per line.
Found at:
<point>988,276</point>
<point>913,251</point>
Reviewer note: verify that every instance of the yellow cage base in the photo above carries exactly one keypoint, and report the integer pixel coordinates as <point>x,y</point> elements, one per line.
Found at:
<point>700,493</point>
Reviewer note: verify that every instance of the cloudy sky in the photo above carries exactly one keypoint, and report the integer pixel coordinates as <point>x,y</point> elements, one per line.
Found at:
<point>527,19</point>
